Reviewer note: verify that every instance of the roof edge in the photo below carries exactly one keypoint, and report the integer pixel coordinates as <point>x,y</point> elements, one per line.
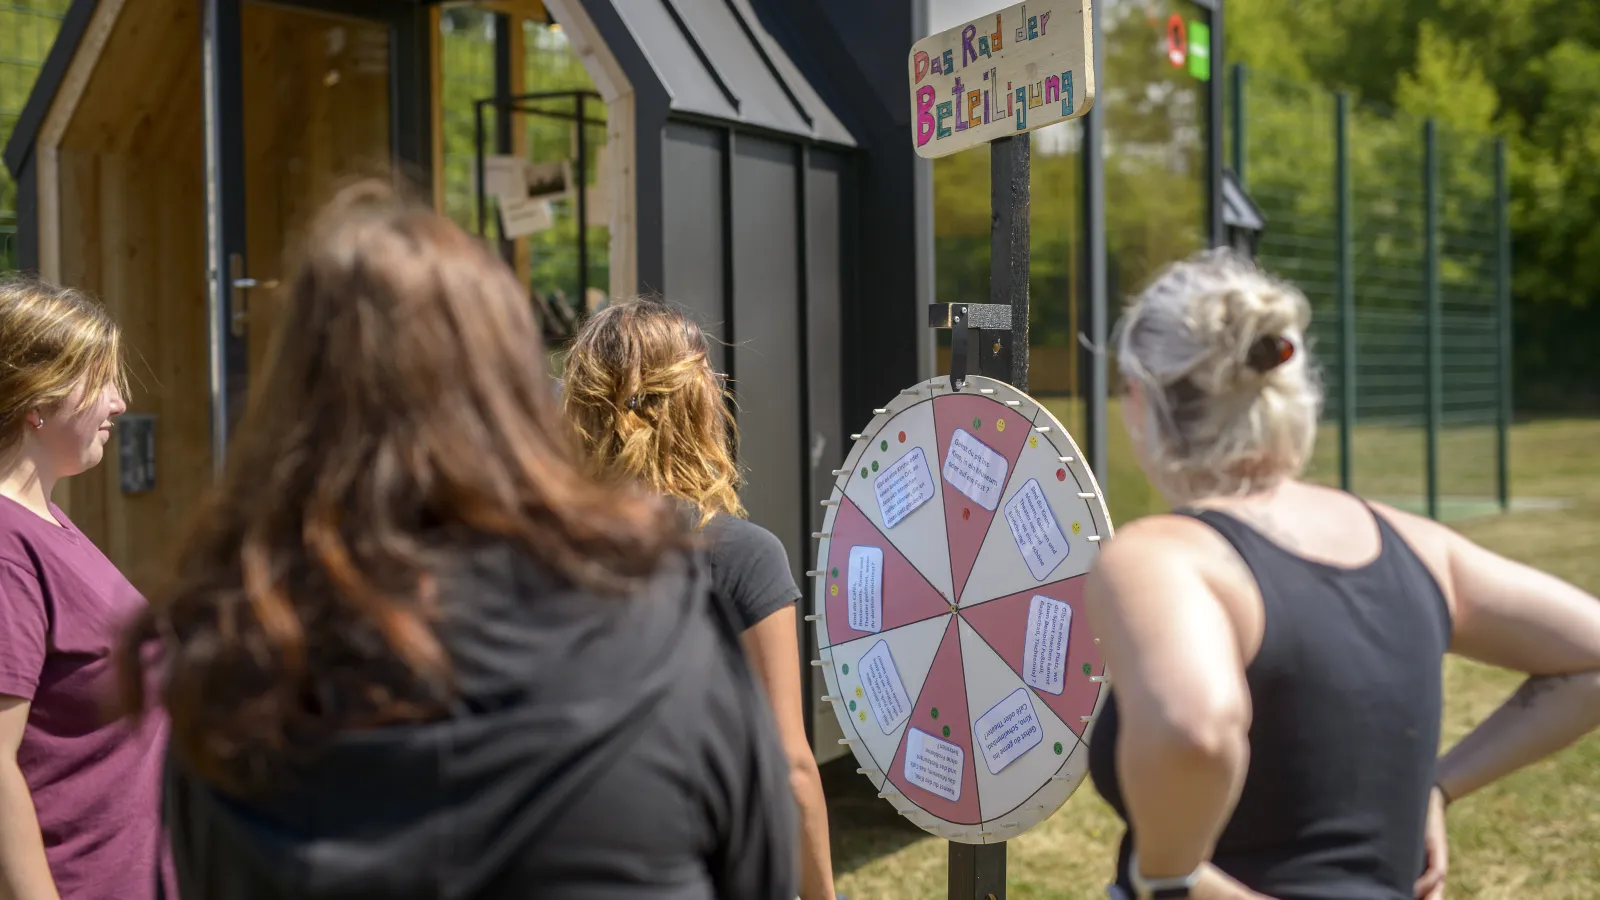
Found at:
<point>54,70</point>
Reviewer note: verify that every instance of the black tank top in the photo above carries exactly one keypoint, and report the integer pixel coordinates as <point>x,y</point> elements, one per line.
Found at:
<point>1346,693</point>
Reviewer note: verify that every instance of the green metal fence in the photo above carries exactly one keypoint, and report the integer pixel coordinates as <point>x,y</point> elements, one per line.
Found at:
<point>1396,230</point>
<point>27,29</point>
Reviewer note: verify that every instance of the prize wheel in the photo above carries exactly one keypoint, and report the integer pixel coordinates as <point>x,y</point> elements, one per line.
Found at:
<point>949,608</point>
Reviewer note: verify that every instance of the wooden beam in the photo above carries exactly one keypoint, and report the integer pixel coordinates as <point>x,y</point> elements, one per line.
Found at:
<point>436,108</point>
<point>528,9</point>
<point>47,147</point>
<point>614,88</point>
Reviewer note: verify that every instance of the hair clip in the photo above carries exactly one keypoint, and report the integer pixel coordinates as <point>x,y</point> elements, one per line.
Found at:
<point>1269,352</point>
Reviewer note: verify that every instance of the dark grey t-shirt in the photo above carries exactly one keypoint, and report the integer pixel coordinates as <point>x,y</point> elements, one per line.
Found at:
<point>749,568</point>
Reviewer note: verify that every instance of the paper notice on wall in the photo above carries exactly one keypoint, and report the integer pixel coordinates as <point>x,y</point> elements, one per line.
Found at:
<point>548,181</point>
<point>1044,648</point>
<point>933,764</point>
<point>1008,730</point>
<point>974,469</point>
<point>866,589</point>
<point>505,177</point>
<point>885,692</point>
<point>522,217</point>
<point>1036,531</point>
<point>903,487</point>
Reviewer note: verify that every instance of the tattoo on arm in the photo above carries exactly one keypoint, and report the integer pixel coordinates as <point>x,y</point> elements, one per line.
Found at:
<point>1534,688</point>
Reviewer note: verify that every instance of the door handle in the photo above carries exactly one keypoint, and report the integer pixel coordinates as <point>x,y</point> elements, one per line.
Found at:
<point>239,307</point>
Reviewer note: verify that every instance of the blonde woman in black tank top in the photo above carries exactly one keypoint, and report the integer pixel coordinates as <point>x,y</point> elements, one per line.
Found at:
<point>1276,645</point>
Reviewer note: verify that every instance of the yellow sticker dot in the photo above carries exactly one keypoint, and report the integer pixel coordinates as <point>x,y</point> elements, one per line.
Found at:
<point>1033,441</point>
<point>1077,527</point>
<point>858,692</point>
<point>862,715</point>
<point>833,590</point>
<point>999,424</point>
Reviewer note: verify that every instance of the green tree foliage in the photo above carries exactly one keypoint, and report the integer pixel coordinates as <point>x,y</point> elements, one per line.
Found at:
<point>1525,69</point>
<point>27,28</point>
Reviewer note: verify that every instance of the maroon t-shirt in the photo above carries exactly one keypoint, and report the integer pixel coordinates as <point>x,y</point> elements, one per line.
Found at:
<point>96,783</point>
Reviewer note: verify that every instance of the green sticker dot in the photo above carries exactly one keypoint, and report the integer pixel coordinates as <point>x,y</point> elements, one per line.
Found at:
<point>874,465</point>
<point>977,423</point>
<point>1058,743</point>
<point>1087,669</point>
<point>863,471</point>
<point>853,709</point>
<point>946,731</point>
<point>935,712</point>
<point>884,446</point>
<point>845,668</point>
<point>836,571</point>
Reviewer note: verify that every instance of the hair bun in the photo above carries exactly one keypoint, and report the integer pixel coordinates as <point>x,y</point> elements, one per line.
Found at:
<point>1269,352</point>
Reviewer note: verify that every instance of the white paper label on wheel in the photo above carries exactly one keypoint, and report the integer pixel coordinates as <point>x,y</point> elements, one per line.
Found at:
<point>1008,730</point>
<point>885,693</point>
<point>1036,531</point>
<point>975,470</point>
<point>903,487</point>
<point>934,764</point>
<point>1044,649</point>
<point>866,589</point>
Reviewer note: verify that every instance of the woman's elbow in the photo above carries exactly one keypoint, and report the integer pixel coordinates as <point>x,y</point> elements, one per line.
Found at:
<point>1209,732</point>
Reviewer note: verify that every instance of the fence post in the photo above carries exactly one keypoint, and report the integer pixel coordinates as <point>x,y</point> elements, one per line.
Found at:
<point>1239,75</point>
<point>1434,379</point>
<point>1503,323</point>
<point>1347,293</point>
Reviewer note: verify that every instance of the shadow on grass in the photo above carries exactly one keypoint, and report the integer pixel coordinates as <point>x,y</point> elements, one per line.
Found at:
<point>863,828</point>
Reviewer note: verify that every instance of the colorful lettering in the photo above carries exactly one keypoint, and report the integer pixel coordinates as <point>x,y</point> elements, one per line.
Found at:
<point>986,104</point>
<point>938,68</point>
<point>983,44</point>
<point>974,100</point>
<point>1033,27</point>
<point>919,65</point>
<point>1052,89</point>
<point>994,39</point>
<point>925,95</point>
<point>967,53</point>
<point>1042,20</point>
<point>1066,93</point>
<point>1022,108</point>
<point>949,62</point>
<point>1035,95</point>
<point>1010,96</point>
<point>943,130</point>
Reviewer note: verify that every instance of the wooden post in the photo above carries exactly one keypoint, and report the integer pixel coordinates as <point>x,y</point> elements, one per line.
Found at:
<point>978,871</point>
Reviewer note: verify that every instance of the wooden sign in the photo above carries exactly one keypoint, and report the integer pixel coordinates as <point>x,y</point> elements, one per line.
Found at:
<point>1018,70</point>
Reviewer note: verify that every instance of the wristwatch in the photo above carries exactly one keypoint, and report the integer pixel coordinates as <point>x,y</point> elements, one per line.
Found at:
<point>1174,888</point>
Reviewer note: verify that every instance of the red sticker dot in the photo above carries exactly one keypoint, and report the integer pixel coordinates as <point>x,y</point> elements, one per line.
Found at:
<point>1061,474</point>
<point>966,513</point>
<point>902,437</point>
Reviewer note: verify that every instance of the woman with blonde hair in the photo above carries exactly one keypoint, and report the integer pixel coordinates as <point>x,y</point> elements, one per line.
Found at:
<point>639,388</point>
<point>412,652</point>
<point>79,790</point>
<point>1276,645</point>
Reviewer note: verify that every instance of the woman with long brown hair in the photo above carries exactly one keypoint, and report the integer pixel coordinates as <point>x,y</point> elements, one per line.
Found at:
<point>640,390</point>
<point>412,652</point>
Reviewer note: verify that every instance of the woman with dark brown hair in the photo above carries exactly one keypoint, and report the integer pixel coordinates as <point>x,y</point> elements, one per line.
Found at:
<point>412,652</point>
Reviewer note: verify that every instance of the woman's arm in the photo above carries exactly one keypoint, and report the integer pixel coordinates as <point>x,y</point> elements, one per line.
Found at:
<point>1184,707</point>
<point>24,873</point>
<point>772,648</point>
<point>1510,615</point>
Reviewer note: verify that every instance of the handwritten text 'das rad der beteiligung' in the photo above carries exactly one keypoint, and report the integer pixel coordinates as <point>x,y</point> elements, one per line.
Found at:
<point>1020,69</point>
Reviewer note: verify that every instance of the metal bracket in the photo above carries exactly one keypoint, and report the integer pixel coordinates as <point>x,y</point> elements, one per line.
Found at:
<point>239,309</point>
<point>962,318</point>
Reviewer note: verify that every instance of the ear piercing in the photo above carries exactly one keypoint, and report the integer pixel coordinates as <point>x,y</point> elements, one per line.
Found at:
<point>40,423</point>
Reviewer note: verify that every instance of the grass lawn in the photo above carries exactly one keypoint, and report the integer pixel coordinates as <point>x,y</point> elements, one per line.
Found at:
<point>1531,837</point>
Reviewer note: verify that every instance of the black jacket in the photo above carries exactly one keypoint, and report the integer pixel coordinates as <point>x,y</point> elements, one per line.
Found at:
<point>606,749</point>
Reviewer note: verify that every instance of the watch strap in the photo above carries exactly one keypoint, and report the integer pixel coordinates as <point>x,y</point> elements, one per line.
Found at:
<point>1171,888</point>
